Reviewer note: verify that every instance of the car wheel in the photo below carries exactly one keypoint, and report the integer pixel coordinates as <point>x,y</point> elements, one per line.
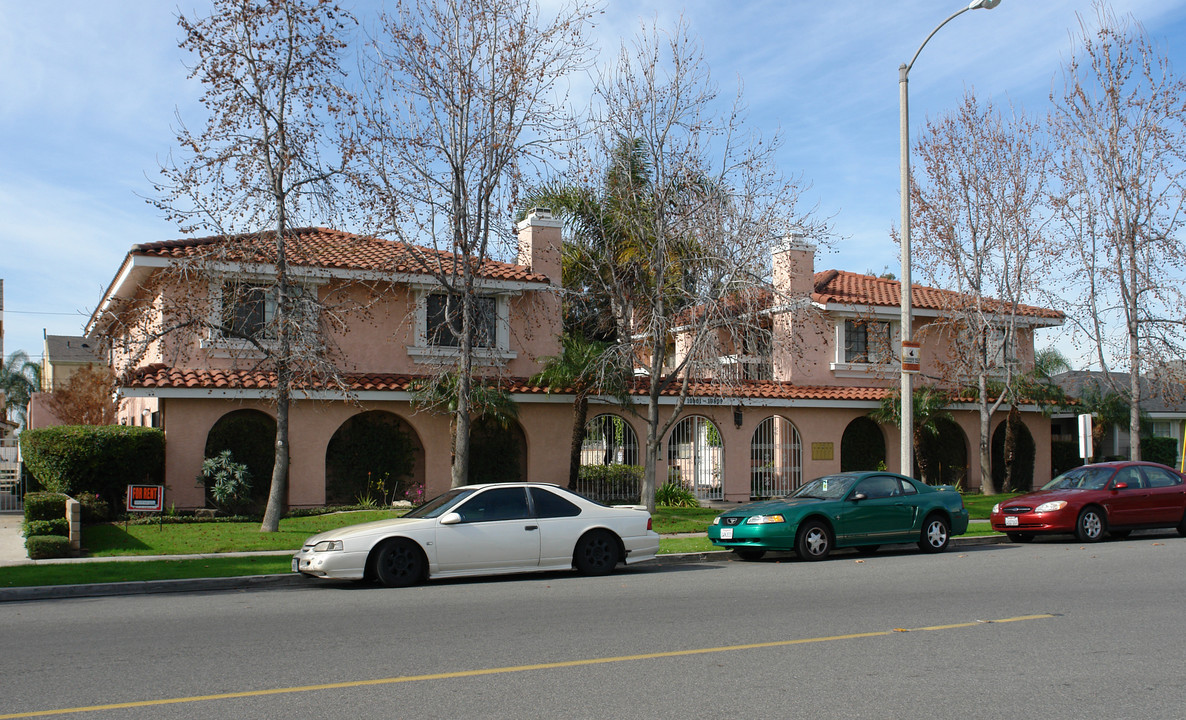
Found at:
<point>936,533</point>
<point>596,553</point>
<point>399,563</point>
<point>814,541</point>
<point>867,549</point>
<point>1182,526</point>
<point>1119,534</point>
<point>750,554</point>
<point>1091,525</point>
<point>1020,537</point>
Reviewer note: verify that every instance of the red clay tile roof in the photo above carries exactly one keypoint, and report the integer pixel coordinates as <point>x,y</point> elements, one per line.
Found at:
<point>323,247</point>
<point>159,376</point>
<point>838,286</point>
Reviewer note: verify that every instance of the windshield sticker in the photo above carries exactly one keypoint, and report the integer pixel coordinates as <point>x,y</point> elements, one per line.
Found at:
<point>825,485</point>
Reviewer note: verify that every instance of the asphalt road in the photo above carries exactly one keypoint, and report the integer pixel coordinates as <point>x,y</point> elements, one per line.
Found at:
<point>1047,630</point>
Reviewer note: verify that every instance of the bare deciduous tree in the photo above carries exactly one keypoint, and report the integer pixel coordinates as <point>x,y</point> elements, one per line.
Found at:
<point>90,396</point>
<point>273,84</point>
<point>979,210</point>
<point>1120,122</point>
<point>462,94</point>
<point>680,247</point>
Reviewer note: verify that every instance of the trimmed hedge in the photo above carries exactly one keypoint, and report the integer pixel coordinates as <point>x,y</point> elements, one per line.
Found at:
<point>101,459</point>
<point>1162,450</point>
<point>1064,455</point>
<point>44,505</point>
<point>606,483</point>
<point>57,526</point>
<point>42,547</point>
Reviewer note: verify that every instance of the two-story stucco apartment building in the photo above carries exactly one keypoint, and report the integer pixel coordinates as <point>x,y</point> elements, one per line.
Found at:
<point>803,413</point>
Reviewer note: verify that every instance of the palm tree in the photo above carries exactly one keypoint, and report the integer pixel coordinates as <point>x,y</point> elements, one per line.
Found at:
<point>929,404</point>
<point>584,369</point>
<point>488,401</point>
<point>20,377</point>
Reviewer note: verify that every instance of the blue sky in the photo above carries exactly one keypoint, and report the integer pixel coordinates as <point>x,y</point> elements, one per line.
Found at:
<point>89,92</point>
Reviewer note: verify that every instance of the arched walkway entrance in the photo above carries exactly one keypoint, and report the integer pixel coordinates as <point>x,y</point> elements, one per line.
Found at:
<point>1013,469</point>
<point>498,452</point>
<point>695,457</point>
<point>374,457</point>
<point>945,456</point>
<point>862,446</point>
<point>776,458</point>
<point>250,435</point>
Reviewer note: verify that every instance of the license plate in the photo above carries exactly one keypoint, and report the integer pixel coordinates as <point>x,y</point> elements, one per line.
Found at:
<point>726,533</point>
<point>1011,520</point>
<point>296,564</point>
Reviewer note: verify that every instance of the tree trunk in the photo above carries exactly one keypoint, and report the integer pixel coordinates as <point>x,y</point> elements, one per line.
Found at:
<point>278,492</point>
<point>580,409</point>
<point>1010,448</point>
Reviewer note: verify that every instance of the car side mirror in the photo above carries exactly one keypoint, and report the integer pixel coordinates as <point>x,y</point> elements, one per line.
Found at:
<point>450,518</point>
<point>1120,486</point>
<point>859,496</point>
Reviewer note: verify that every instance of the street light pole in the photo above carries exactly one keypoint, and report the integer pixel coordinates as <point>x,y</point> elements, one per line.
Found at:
<point>906,421</point>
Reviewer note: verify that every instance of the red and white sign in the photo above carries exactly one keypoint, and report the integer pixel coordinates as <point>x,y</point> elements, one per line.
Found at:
<point>146,498</point>
<point>911,356</point>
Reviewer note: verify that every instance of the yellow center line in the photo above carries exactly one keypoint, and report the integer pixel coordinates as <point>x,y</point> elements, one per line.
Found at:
<point>502,670</point>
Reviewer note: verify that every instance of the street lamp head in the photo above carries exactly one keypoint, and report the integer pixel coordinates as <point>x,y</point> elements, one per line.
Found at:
<point>983,4</point>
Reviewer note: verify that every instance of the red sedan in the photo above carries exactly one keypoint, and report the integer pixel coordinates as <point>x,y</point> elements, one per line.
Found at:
<point>1113,498</point>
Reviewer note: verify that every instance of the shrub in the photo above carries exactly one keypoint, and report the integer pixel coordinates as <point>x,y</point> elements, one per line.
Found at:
<point>104,459</point>
<point>673,495</point>
<point>57,526</point>
<point>227,482</point>
<point>94,508</point>
<point>44,505</point>
<point>610,483</point>
<point>1162,450</point>
<point>41,547</point>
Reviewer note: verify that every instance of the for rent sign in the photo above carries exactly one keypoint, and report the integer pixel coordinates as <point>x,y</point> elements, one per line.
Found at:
<point>146,498</point>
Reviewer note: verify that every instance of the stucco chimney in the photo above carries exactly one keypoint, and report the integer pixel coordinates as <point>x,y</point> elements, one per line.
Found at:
<point>794,267</point>
<point>539,244</point>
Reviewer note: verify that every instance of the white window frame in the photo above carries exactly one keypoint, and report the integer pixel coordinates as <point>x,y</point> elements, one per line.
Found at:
<point>499,354</point>
<point>842,368</point>
<point>218,345</point>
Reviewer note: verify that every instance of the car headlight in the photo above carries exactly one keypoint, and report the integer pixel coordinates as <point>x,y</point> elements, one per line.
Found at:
<point>764,519</point>
<point>327,546</point>
<point>996,508</point>
<point>1051,506</point>
<point>716,520</point>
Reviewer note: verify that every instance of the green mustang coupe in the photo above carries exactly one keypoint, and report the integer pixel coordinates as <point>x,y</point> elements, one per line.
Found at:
<point>854,509</point>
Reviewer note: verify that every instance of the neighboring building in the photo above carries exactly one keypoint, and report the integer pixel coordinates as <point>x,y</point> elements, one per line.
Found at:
<point>798,410</point>
<point>1163,401</point>
<point>64,355</point>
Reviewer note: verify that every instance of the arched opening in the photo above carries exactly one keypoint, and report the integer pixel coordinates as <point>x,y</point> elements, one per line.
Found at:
<point>776,458</point>
<point>374,458</point>
<point>609,461</point>
<point>1013,467</point>
<point>250,436</point>
<point>497,452</point>
<point>695,457</point>
<point>609,440</point>
<point>946,455</point>
<point>862,446</point>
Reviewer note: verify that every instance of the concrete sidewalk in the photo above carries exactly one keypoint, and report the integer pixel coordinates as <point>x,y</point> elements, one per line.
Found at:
<point>12,543</point>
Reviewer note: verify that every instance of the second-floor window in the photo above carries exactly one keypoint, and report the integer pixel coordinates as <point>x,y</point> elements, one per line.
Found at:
<point>443,315</point>
<point>244,309</point>
<point>867,341</point>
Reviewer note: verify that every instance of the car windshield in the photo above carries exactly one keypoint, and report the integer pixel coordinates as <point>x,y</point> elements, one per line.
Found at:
<point>1081,478</point>
<point>440,504</point>
<point>831,487</point>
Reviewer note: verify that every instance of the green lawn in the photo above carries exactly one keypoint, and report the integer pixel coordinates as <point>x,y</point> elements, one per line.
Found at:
<point>115,540</point>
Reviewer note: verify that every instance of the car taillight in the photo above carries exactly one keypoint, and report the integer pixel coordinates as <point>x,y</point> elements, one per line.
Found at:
<point>649,524</point>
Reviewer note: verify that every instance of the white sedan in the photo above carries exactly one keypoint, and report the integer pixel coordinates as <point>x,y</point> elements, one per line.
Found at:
<point>484,530</point>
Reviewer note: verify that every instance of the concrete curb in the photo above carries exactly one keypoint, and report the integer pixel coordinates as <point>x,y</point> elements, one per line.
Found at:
<point>292,580</point>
